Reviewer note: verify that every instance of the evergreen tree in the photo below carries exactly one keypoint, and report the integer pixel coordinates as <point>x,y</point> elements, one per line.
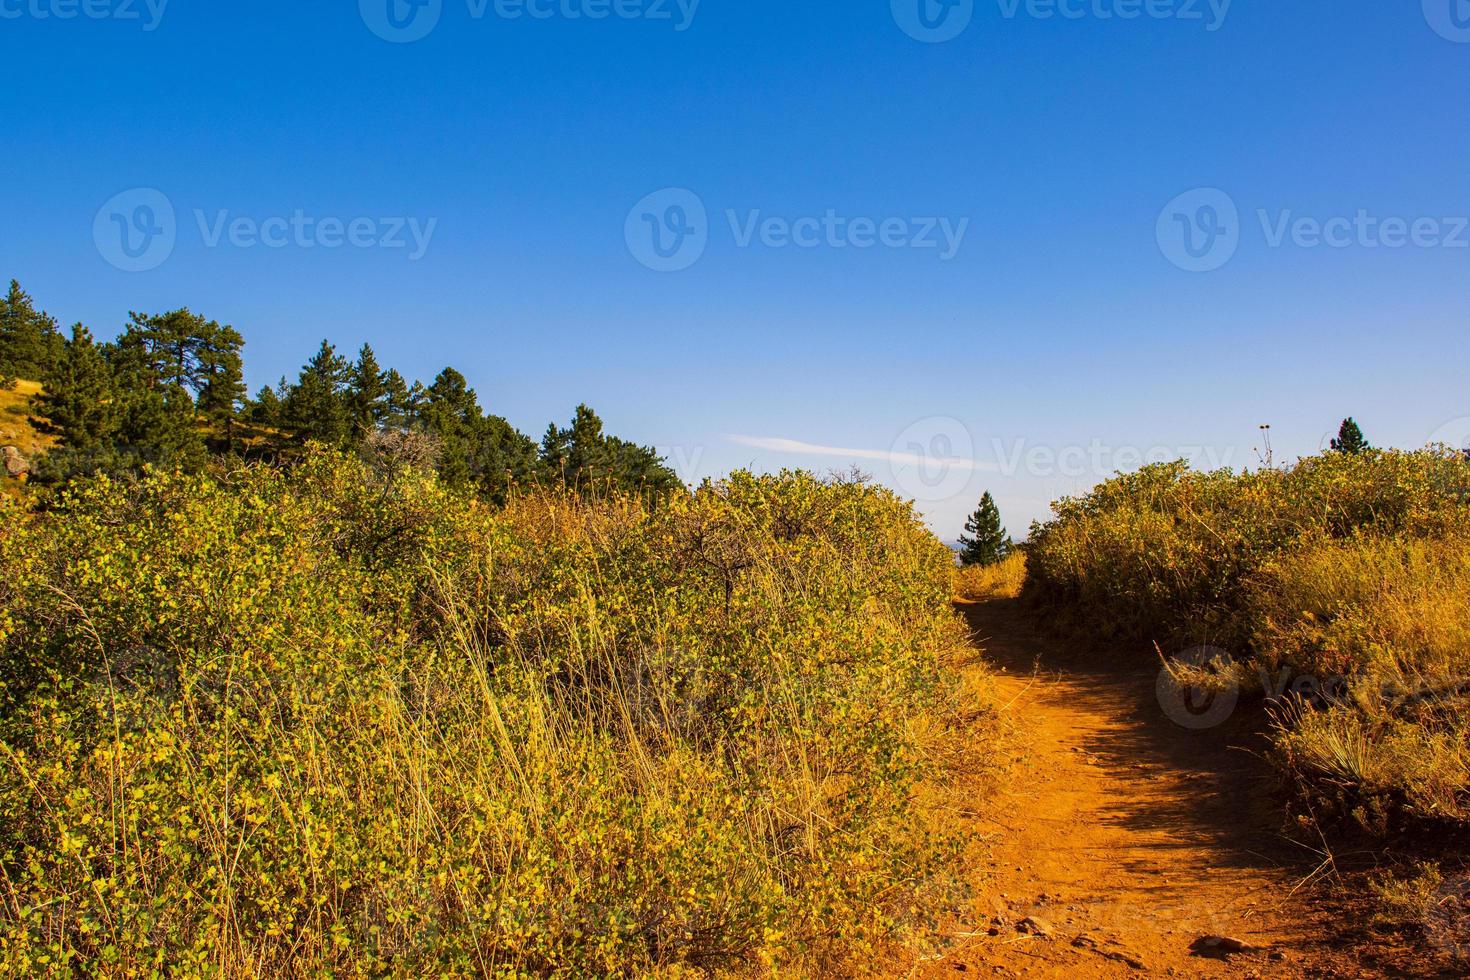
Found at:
<point>1350,441</point>
<point>484,451</point>
<point>584,458</point>
<point>180,349</point>
<point>451,412</point>
<point>556,454</point>
<point>160,426</point>
<point>367,394</point>
<point>316,408</point>
<point>78,399</point>
<point>30,344</point>
<point>264,410</point>
<point>400,401</point>
<point>985,541</point>
<point>223,391</point>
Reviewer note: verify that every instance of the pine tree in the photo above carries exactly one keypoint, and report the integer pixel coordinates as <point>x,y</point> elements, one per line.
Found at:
<point>585,458</point>
<point>264,410</point>
<point>316,408</point>
<point>78,399</point>
<point>985,541</point>
<point>1350,441</point>
<point>160,426</point>
<point>30,344</point>
<point>178,348</point>
<point>223,388</point>
<point>367,394</point>
<point>400,401</point>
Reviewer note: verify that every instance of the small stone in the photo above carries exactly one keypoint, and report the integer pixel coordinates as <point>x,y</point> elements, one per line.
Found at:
<point>16,465</point>
<point>1218,947</point>
<point>1034,925</point>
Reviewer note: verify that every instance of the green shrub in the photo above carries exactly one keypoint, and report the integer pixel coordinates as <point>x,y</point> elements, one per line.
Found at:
<point>319,723</point>
<point>1350,572</point>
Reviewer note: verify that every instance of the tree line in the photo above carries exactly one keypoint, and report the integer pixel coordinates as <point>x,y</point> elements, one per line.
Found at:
<point>170,391</point>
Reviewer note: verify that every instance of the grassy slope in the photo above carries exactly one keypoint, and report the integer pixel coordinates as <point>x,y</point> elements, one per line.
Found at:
<point>18,429</point>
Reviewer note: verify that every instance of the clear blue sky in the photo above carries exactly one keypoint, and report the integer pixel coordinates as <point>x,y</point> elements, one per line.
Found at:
<point>1059,322</point>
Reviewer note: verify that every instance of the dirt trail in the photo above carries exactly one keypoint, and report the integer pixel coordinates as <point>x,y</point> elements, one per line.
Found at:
<point>1130,836</point>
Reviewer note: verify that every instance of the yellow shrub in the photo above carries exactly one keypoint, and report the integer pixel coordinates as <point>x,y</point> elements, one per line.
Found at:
<point>1343,582</point>
<point>270,724</point>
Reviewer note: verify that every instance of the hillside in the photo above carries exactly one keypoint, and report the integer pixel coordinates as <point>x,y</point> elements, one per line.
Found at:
<point>17,428</point>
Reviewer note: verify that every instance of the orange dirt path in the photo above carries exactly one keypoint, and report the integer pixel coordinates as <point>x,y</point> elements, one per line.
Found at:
<point>1129,836</point>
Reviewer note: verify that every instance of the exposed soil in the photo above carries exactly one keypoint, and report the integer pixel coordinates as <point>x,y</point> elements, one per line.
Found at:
<point>1129,839</point>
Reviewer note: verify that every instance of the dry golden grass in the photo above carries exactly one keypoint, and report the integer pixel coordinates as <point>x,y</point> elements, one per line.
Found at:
<point>16,406</point>
<point>301,724</point>
<point>1000,581</point>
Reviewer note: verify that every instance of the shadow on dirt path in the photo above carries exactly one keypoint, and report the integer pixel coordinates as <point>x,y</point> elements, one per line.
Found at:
<point>1127,838</point>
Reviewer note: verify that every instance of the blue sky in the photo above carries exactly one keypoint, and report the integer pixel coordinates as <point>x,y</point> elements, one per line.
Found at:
<point>1061,339</point>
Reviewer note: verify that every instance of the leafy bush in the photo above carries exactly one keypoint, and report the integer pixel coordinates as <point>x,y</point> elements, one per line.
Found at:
<point>1351,571</point>
<point>1168,554</point>
<point>322,723</point>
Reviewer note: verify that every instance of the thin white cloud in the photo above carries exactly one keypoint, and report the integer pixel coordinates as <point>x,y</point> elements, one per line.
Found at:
<point>797,447</point>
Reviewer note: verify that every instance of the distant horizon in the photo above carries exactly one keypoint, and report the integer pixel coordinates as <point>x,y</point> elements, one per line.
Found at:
<point>928,461</point>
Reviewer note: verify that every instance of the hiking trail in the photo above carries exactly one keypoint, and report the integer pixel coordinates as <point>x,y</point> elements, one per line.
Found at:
<point>1123,841</point>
